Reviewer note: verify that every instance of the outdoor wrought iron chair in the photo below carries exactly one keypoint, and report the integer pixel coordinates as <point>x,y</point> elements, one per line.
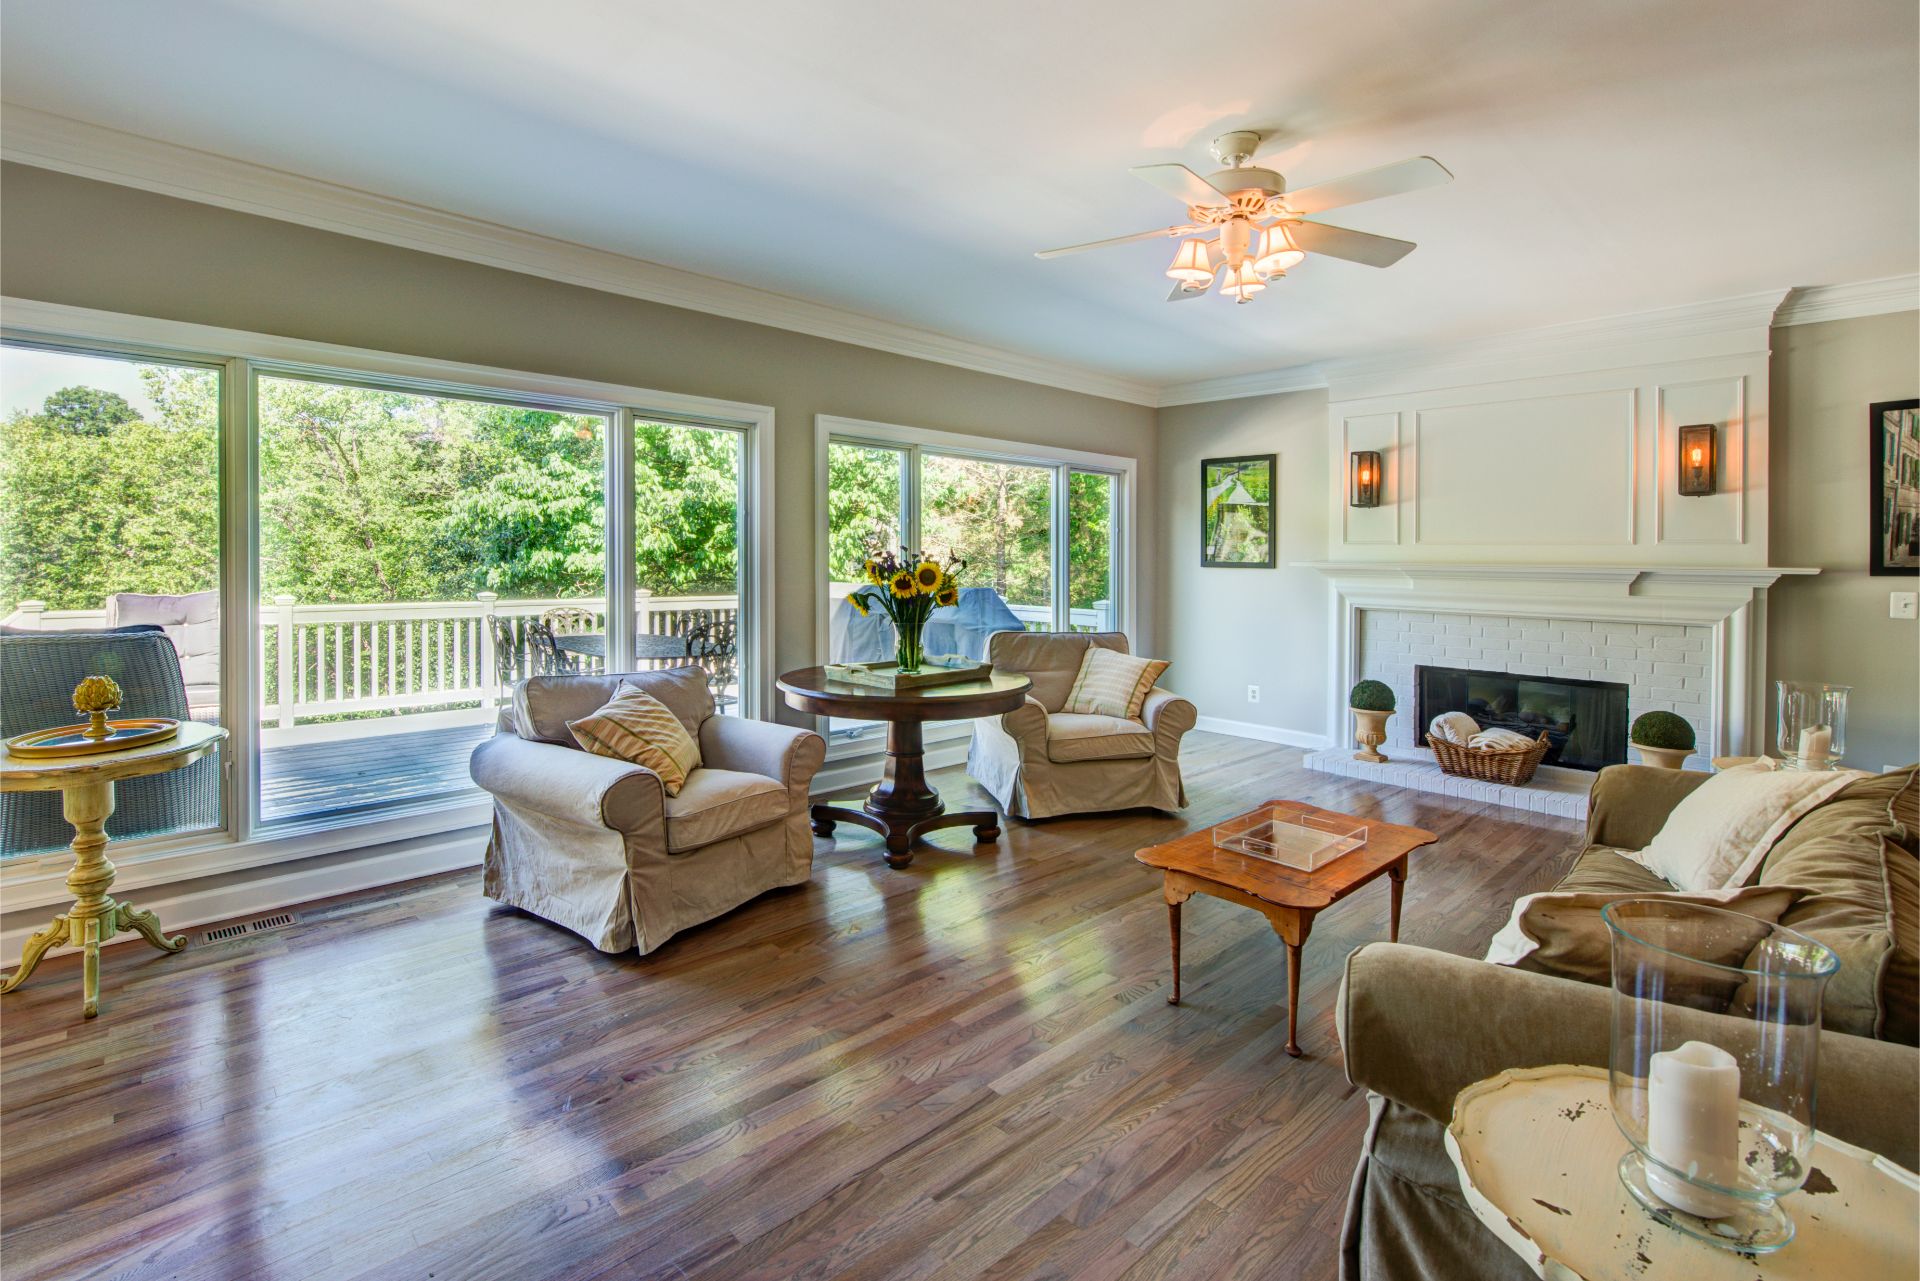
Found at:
<point>570,620</point>
<point>37,675</point>
<point>713,642</point>
<point>548,658</point>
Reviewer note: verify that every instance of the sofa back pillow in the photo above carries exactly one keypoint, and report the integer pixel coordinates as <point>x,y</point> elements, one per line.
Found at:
<point>635,726</point>
<point>1837,857</point>
<point>1562,932</point>
<point>1113,684</point>
<point>1718,835</point>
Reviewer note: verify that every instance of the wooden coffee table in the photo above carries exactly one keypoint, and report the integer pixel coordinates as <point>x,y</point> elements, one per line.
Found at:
<point>1289,899</point>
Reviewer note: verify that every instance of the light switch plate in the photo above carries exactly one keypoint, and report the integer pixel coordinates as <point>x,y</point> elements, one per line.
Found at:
<point>1902,604</point>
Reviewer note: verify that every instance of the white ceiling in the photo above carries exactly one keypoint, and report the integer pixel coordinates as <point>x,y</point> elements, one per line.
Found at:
<point>904,161</point>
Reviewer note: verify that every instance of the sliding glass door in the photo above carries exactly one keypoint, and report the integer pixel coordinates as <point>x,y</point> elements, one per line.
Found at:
<point>417,554</point>
<point>110,532</point>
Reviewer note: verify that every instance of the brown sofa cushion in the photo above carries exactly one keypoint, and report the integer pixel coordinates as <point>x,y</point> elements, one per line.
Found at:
<point>1900,988</point>
<point>1837,857</point>
<point>1601,869</point>
<point>1565,935</point>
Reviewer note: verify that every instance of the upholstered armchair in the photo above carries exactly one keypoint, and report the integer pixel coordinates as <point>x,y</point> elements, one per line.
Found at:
<point>1040,760</point>
<point>596,844</point>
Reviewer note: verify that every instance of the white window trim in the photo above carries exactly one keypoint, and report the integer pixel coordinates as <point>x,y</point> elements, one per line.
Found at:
<point>39,880</point>
<point>1125,552</point>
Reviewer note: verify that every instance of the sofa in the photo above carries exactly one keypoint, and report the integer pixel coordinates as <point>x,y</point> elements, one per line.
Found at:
<point>596,845</point>
<point>192,623</point>
<point>1040,760</point>
<point>1417,1026</point>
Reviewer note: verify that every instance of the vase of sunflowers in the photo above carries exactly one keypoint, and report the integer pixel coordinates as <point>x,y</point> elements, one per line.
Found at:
<point>908,588</point>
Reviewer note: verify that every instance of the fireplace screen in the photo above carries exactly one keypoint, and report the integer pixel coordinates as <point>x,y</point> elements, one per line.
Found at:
<point>1585,721</point>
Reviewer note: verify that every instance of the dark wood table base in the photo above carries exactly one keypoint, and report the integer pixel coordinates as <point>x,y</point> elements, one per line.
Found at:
<point>903,806</point>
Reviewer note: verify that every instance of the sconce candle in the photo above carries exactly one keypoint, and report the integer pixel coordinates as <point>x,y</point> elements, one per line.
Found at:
<point>1698,465</point>
<point>1363,471</point>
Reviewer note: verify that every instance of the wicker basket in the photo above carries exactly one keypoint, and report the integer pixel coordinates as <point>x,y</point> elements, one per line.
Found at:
<point>1513,766</point>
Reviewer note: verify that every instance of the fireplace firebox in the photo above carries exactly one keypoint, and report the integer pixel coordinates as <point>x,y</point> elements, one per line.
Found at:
<point>1585,721</point>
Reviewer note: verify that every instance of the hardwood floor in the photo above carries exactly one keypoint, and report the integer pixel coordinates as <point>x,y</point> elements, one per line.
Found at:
<point>967,1069</point>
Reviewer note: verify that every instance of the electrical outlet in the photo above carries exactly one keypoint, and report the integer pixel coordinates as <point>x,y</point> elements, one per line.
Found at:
<point>1902,604</point>
<point>1253,693</point>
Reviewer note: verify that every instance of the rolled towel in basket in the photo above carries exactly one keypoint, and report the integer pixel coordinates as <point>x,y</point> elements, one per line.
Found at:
<point>1501,740</point>
<point>1454,727</point>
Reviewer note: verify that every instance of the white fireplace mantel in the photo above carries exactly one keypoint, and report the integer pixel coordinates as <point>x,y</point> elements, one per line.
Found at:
<point>1731,600</point>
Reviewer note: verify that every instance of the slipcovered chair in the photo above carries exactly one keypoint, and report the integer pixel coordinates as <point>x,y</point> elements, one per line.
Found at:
<point>1040,760</point>
<point>596,845</point>
<point>37,674</point>
<point>192,623</point>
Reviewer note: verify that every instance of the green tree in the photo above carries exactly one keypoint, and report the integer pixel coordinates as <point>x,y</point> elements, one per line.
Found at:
<point>87,411</point>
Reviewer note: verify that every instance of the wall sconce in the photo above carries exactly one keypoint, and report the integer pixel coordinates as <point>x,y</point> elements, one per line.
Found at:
<point>1363,475</point>
<point>1698,466</point>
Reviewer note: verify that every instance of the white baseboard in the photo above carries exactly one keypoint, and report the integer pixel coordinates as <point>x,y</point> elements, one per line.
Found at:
<point>1264,733</point>
<point>220,898</point>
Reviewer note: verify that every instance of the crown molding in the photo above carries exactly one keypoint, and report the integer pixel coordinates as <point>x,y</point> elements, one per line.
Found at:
<point>49,141</point>
<point>1844,302</point>
<point>1267,382</point>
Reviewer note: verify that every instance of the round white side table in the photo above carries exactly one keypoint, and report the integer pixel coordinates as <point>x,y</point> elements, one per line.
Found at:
<point>1536,1151</point>
<point>86,787</point>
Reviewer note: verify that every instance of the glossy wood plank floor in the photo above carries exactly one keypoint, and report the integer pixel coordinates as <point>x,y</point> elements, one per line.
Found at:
<point>966,1069</point>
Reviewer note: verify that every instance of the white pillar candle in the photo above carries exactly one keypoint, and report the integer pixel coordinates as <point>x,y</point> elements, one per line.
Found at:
<point>1693,1125</point>
<point>1816,744</point>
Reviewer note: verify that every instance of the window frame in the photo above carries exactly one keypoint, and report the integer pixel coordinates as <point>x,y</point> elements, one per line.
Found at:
<point>913,442</point>
<point>441,827</point>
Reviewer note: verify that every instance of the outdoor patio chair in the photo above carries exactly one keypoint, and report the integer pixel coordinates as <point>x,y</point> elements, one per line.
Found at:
<point>548,658</point>
<point>37,676</point>
<point>713,641</point>
<point>508,660</point>
<point>192,623</point>
<point>569,620</point>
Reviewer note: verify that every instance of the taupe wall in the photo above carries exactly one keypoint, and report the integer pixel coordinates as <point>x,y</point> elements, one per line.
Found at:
<point>1834,627</point>
<point>90,244</point>
<point>1226,629</point>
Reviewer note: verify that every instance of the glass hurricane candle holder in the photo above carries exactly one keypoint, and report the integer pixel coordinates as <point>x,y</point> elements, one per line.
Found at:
<point>1716,1035</point>
<point>1813,724</point>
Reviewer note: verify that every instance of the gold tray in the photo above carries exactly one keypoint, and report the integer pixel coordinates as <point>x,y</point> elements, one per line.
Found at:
<point>71,740</point>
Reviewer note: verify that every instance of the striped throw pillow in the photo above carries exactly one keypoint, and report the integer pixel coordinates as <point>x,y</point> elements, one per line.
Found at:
<point>1113,684</point>
<point>635,726</point>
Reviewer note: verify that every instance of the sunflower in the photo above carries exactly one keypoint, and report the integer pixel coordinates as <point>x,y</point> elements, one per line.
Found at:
<point>873,573</point>
<point>901,584</point>
<point>928,577</point>
<point>859,602</point>
<point>948,595</point>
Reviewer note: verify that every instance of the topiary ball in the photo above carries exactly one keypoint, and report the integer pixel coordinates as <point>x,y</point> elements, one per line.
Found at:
<point>1662,729</point>
<point>1371,696</point>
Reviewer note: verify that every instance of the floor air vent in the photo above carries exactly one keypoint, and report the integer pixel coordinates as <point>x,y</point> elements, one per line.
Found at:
<point>227,933</point>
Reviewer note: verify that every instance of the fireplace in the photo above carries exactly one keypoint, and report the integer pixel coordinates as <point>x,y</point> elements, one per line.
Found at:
<point>1585,721</point>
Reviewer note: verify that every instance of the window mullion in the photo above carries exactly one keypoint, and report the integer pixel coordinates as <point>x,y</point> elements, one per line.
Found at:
<point>622,561</point>
<point>239,596</point>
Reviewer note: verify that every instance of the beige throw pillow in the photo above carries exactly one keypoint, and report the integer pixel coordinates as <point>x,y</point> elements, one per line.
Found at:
<point>1563,934</point>
<point>1113,684</point>
<point>1716,837</point>
<point>635,726</point>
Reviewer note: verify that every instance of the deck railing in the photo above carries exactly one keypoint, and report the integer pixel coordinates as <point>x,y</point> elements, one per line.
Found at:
<point>335,660</point>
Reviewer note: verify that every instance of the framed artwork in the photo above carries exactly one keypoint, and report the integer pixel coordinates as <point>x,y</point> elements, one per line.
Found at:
<point>1895,478</point>
<point>1236,512</point>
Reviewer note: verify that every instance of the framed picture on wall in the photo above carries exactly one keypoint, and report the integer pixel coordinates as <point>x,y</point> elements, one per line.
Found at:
<point>1236,512</point>
<point>1895,478</point>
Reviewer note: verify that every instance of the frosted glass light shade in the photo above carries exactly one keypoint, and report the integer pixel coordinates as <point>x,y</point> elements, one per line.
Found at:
<point>1241,283</point>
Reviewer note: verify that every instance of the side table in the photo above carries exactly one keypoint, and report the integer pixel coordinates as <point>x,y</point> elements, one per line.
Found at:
<point>86,787</point>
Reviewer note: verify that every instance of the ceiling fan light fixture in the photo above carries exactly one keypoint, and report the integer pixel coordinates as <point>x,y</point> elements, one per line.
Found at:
<point>1277,253</point>
<point>1191,266</point>
<point>1241,283</point>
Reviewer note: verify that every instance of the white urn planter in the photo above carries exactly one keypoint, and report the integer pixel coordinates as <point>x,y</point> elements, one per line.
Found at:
<point>1663,757</point>
<point>1369,730</point>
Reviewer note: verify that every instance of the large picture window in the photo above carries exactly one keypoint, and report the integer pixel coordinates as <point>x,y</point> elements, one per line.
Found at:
<point>349,558</point>
<point>1042,532</point>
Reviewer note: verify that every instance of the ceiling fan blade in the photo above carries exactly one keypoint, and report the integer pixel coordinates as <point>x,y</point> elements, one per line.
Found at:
<point>1354,246</point>
<point>1182,183</point>
<point>1182,292</point>
<point>1387,180</point>
<point>1164,233</point>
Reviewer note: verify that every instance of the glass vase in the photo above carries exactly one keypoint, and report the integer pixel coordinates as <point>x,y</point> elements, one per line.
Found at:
<point>909,649</point>
<point>1813,724</point>
<point>1715,1039</point>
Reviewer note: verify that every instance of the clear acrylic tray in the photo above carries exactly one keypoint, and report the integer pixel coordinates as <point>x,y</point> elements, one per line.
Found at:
<point>1291,837</point>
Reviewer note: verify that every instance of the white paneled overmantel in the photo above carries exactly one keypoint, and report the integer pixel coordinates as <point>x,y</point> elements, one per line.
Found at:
<point>1695,632</point>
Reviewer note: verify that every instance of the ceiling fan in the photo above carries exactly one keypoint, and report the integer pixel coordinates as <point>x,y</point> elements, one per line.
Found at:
<point>1253,229</point>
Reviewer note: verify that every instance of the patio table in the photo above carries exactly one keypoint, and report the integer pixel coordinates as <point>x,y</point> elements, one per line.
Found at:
<point>646,646</point>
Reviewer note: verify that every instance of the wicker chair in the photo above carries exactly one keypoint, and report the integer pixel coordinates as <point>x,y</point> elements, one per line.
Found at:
<point>37,676</point>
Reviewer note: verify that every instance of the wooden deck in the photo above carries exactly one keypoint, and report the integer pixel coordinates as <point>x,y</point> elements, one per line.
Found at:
<point>359,773</point>
<point>964,1070</point>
